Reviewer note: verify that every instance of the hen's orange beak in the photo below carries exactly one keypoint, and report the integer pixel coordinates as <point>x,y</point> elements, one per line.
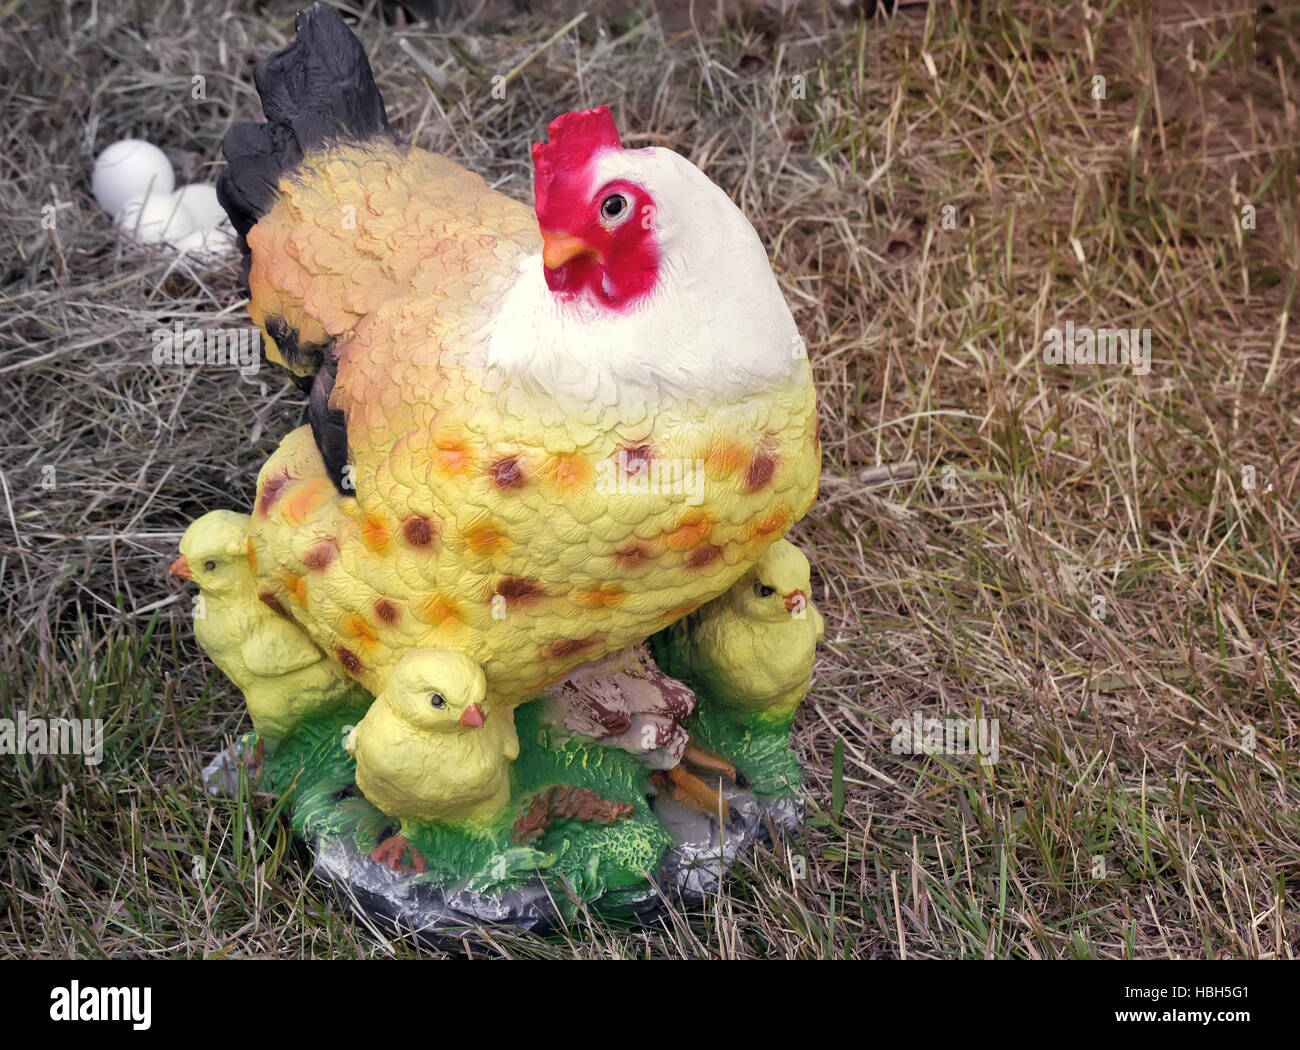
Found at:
<point>472,716</point>
<point>794,600</point>
<point>558,248</point>
<point>180,568</point>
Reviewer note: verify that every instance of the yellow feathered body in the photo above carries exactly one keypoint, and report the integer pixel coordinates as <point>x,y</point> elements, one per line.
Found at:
<point>418,777</point>
<point>423,764</point>
<point>284,677</point>
<point>754,647</point>
<point>488,517</point>
<point>358,227</point>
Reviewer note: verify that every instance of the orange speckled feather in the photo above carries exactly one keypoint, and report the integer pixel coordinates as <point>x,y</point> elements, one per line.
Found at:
<point>483,518</point>
<point>358,226</point>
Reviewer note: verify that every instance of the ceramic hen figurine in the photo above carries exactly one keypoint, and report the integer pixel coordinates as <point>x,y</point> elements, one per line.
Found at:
<point>427,749</point>
<point>537,436</point>
<point>753,648</point>
<point>282,675</point>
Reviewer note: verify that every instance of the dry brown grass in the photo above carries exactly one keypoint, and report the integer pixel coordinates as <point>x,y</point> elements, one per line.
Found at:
<point>1121,737</point>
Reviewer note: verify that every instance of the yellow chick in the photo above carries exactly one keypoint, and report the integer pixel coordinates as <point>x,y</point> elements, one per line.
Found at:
<point>754,646</point>
<point>428,751</point>
<point>280,671</point>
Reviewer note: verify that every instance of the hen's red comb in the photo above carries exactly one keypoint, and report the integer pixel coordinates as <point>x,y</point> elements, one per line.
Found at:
<point>575,138</point>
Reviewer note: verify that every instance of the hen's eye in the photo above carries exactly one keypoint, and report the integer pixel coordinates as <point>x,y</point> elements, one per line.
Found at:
<point>764,591</point>
<point>437,701</point>
<point>613,207</point>
<point>210,565</point>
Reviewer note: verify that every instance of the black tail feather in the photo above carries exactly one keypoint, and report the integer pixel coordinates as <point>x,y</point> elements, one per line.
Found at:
<point>329,426</point>
<point>316,90</point>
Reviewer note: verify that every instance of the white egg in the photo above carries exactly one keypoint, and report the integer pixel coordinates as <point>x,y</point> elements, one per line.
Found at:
<point>193,243</point>
<point>128,169</point>
<point>155,219</point>
<point>205,246</point>
<point>200,200</point>
<point>222,238</point>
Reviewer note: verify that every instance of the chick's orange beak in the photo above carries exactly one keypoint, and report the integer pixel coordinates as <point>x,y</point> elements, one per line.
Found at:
<point>472,716</point>
<point>559,248</point>
<point>180,568</point>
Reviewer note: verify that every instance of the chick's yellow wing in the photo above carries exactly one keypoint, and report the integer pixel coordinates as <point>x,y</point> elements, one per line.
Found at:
<point>277,647</point>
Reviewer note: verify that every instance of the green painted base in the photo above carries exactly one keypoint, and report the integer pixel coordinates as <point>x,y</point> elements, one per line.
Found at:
<point>613,869</point>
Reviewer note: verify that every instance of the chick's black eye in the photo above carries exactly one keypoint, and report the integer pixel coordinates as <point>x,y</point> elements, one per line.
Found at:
<point>613,207</point>
<point>438,701</point>
<point>210,565</point>
<point>764,591</point>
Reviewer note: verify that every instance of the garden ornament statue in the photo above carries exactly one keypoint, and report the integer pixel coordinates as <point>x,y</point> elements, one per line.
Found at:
<point>512,612</point>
